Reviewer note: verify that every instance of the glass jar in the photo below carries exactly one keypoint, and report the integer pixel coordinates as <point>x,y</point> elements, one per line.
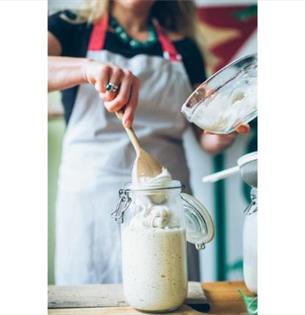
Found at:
<point>225,100</point>
<point>156,223</point>
<point>250,244</point>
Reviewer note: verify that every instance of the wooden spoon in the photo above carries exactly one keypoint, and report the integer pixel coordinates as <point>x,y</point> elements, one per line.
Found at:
<point>145,165</point>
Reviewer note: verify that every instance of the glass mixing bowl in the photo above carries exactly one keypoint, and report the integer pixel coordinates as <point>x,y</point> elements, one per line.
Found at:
<point>227,99</point>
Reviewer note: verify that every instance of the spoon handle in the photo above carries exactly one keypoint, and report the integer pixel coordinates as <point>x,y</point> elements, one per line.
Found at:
<point>131,134</point>
<point>220,175</point>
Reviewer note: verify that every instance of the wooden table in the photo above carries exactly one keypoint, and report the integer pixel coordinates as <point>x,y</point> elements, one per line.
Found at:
<point>223,298</point>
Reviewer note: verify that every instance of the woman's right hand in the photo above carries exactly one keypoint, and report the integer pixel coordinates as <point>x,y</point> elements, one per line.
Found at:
<point>126,97</point>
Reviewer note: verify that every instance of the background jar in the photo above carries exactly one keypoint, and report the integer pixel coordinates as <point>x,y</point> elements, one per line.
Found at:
<point>250,244</point>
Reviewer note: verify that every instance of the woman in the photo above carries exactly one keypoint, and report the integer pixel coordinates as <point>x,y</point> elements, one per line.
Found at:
<point>118,55</point>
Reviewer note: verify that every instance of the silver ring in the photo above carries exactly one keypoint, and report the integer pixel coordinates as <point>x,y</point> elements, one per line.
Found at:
<point>111,87</point>
<point>115,87</point>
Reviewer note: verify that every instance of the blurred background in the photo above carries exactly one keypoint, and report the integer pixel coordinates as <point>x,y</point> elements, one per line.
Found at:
<point>230,32</point>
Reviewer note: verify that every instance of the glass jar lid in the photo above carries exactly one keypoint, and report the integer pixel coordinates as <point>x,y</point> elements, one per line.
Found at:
<point>199,224</point>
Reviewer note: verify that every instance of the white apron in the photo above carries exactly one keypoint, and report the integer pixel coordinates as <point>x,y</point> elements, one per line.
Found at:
<point>97,160</point>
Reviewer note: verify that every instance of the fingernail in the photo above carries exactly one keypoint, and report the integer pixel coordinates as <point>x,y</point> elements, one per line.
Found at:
<point>242,129</point>
<point>127,123</point>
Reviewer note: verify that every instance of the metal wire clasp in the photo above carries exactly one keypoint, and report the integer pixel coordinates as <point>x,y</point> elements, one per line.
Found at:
<point>252,207</point>
<point>122,206</point>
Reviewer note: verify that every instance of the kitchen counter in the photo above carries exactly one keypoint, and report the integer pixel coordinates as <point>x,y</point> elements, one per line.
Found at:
<point>223,297</point>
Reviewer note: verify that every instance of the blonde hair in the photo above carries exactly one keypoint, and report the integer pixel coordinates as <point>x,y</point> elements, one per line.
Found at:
<point>179,16</point>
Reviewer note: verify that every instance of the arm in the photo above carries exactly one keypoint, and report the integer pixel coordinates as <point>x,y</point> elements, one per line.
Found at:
<point>66,72</point>
<point>63,72</point>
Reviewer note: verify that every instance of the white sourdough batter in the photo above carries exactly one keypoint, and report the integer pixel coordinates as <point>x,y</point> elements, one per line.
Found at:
<point>154,267</point>
<point>162,180</point>
<point>238,100</point>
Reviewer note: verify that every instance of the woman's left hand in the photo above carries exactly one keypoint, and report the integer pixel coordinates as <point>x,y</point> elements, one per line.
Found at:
<point>213,143</point>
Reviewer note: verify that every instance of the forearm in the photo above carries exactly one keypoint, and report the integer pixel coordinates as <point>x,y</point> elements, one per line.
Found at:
<point>65,72</point>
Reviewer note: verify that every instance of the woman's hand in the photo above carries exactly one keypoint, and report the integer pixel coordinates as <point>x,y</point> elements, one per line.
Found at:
<point>126,98</point>
<point>214,144</point>
<point>66,72</point>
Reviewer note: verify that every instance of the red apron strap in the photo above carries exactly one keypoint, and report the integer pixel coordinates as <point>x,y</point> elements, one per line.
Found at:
<point>169,50</point>
<point>98,34</point>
